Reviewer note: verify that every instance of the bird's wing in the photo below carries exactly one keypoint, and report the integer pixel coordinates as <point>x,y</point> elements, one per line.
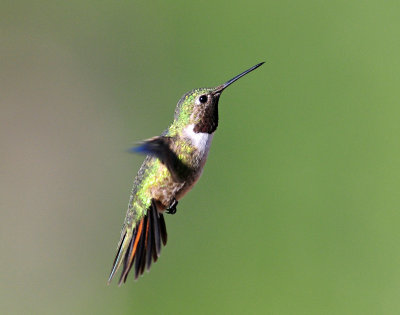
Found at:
<point>160,147</point>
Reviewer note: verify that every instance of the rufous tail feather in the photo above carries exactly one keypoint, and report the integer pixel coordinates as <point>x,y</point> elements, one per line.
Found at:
<point>140,246</point>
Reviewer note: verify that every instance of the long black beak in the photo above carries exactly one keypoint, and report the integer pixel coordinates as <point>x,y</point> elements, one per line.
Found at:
<point>222,87</point>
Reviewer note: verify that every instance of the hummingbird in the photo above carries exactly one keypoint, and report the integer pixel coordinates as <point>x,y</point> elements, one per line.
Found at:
<point>174,162</point>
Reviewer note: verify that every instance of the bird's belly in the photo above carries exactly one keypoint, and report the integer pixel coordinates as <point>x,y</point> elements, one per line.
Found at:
<point>166,189</point>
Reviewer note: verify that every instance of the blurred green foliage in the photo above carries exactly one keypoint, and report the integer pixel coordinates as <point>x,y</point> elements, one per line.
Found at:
<point>297,211</point>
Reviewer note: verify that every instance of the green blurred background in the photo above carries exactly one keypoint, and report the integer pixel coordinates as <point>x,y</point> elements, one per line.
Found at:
<point>297,211</point>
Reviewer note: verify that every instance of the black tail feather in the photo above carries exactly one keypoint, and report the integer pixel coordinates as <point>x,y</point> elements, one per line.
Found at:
<point>163,229</point>
<point>116,260</point>
<point>139,254</point>
<point>143,247</point>
<point>156,228</point>
<point>149,242</point>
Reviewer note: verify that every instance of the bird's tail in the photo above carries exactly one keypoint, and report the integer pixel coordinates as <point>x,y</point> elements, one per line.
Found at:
<point>140,245</point>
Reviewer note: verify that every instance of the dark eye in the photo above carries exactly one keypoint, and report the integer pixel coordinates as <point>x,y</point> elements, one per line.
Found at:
<point>203,99</point>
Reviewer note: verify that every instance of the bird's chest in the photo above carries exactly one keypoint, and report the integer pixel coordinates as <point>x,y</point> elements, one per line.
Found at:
<point>200,143</point>
<point>192,148</point>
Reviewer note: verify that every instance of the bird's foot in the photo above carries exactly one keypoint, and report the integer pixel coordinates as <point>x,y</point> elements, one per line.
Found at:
<point>172,207</point>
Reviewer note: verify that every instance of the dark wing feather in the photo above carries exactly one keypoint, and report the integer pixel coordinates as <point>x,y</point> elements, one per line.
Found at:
<point>160,147</point>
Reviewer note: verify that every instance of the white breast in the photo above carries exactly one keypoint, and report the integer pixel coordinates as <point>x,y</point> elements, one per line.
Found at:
<point>201,141</point>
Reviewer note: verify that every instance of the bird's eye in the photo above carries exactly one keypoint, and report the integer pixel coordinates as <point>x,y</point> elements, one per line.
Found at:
<point>203,99</point>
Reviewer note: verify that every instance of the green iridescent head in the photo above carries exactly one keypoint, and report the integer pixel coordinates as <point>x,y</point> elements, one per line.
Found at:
<point>199,107</point>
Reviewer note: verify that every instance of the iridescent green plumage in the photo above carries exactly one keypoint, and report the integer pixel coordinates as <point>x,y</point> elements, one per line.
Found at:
<point>174,163</point>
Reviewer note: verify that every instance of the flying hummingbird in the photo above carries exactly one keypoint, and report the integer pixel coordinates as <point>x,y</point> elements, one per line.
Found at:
<point>174,163</point>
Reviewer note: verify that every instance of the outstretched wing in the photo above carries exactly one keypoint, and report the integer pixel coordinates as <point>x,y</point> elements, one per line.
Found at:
<point>141,245</point>
<point>160,147</point>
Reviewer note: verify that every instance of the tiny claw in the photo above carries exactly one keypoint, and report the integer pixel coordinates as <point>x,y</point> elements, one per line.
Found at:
<point>172,207</point>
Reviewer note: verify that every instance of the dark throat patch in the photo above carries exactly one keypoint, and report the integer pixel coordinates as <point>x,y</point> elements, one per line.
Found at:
<point>209,122</point>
